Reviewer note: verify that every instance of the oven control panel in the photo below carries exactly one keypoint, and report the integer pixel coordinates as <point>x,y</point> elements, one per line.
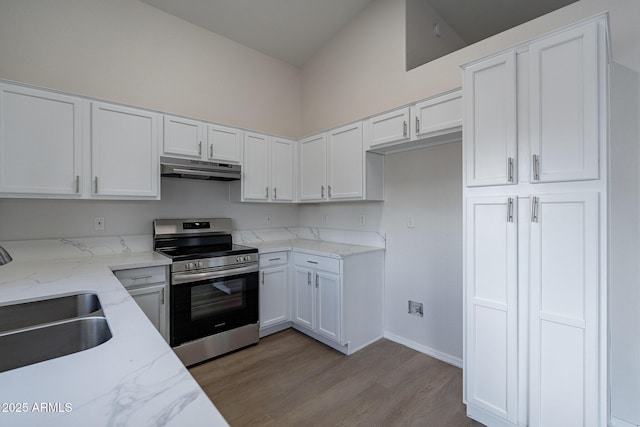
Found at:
<point>221,262</point>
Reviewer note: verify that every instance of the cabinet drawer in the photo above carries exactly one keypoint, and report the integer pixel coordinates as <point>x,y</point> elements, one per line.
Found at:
<point>318,262</point>
<point>275,258</point>
<point>141,276</point>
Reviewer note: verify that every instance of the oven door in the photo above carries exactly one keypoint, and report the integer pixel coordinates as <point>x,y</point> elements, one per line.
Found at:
<point>207,303</point>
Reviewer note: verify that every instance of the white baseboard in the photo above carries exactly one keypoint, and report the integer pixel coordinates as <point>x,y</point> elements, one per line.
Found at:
<point>617,422</point>
<point>424,349</point>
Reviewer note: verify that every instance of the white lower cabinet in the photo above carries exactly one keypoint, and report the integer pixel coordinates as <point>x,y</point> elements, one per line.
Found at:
<point>274,290</point>
<point>148,286</point>
<point>339,301</point>
<point>532,340</point>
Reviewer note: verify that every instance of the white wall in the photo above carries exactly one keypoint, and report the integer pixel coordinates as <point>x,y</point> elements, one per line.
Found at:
<point>129,52</point>
<point>361,71</point>
<point>624,286</point>
<point>23,219</point>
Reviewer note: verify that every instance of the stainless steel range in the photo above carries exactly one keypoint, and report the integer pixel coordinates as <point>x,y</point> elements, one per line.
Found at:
<point>214,287</point>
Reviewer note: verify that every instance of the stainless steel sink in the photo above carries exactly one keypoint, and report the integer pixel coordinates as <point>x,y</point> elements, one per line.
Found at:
<point>28,346</point>
<point>35,331</point>
<point>23,315</point>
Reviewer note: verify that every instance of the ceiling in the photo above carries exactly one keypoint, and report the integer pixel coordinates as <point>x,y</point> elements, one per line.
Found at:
<point>293,30</point>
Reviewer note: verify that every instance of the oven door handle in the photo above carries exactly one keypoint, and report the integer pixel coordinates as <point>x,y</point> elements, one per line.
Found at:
<point>179,278</point>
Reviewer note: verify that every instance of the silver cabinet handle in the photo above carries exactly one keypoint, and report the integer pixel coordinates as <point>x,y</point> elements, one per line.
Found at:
<point>417,126</point>
<point>266,192</point>
<point>312,262</point>
<point>210,150</point>
<point>534,209</point>
<point>77,183</point>
<point>322,191</point>
<point>274,259</point>
<point>329,190</point>
<point>317,280</point>
<point>510,210</point>
<point>510,169</point>
<point>404,128</point>
<point>95,184</point>
<point>308,278</point>
<point>141,277</point>
<point>536,167</point>
<point>200,148</point>
<point>263,278</point>
<point>275,192</point>
<point>162,297</point>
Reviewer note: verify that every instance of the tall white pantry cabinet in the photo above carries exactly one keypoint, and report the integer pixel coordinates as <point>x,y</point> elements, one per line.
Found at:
<point>535,177</point>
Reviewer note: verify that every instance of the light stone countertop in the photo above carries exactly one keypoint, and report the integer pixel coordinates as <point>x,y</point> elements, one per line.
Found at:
<point>134,379</point>
<point>314,247</point>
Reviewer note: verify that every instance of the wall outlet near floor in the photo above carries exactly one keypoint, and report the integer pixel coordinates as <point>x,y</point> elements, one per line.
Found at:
<point>410,222</point>
<point>415,308</point>
<point>98,223</point>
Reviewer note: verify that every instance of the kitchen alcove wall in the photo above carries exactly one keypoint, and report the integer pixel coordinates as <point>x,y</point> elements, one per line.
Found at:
<point>424,263</point>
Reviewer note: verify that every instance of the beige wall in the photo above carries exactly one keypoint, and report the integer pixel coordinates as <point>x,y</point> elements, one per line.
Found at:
<point>128,52</point>
<point>361,71</point>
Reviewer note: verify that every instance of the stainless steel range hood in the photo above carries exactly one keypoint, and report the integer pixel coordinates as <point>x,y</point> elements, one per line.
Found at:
<point>197,169</point>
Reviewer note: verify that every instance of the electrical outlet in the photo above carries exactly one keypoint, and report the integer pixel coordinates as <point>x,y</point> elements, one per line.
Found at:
<point>98,223</point>
<point>326,219</point>
<point>363,219</point>
<point>410,222</point>
<point>416,308</point>
<point>268,220</point>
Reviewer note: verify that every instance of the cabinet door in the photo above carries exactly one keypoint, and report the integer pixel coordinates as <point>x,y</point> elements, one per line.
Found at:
<point>313,168</point>
<point>437,115</point>
<point>564,290</point>
<point>491,361</point>
<point>304,297</point>
<point>255,167</point>
<point>345,162</point>
<point>490,136</point>
<point>389,127</point>
<point>274,301</point>
<point>40,142</point>
<point>564,106</point>
<point>282,177</point>
<point>183,137</point>
<point>151,300</point>
<point>124,151</point>
<point>224,144</point>
<point>329,322</point>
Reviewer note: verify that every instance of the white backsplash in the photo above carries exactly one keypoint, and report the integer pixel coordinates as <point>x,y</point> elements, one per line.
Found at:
<point>352,237</point>
<point>118,245</point>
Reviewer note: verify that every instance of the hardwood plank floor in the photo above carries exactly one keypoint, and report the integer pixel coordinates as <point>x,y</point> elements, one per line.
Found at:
<point>289,379</point>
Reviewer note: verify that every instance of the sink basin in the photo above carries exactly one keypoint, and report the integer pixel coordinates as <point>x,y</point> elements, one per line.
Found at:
<point>28,346</point>
<point>23,315</point>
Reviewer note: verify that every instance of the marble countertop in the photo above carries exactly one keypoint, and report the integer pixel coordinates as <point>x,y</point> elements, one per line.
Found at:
<point>134,379</point>
<point>315,247</point>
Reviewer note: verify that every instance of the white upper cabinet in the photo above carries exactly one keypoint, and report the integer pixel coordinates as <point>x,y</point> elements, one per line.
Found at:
<point>436,116</point>
<point>40,143</point>
<point>124,151</point>
<point>256,166</point>
<point>267,170</point>
<point>224,144</point>
<point>313,168</point>
<point>490,129</point>
<point>345,162</point>
<point>282,170</point>
<point>392,127</point>
<point>184,137</point>
<point>564,106</point>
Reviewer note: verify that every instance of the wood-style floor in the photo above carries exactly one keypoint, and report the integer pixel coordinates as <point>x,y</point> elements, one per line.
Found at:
<point>289,379</point>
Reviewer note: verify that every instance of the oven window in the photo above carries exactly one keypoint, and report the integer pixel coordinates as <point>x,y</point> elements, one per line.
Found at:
<point>213,299</point>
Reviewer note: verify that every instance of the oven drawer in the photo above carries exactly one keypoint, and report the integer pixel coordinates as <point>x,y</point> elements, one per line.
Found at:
<point>318,262</point>
<point>275,258</point>
<point>141,276</point>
